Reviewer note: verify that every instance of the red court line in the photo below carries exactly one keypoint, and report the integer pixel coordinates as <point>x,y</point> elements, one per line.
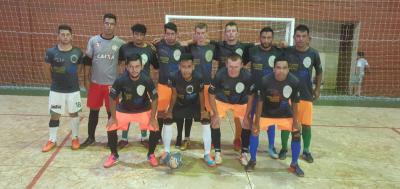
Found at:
<point>397,130</point>
<point>46,165</point>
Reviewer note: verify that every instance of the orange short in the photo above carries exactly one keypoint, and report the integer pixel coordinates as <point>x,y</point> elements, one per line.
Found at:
<point>206,98</point>
<point>304,112</point>
<point>164,97</point>
<point>239,110</point>
<point>285,124</point>
<point>123,120</point>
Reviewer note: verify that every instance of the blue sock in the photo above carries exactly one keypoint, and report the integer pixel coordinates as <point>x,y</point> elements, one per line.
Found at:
<point>296,147</point>
<point>271,137</point>
<point>253,147</point>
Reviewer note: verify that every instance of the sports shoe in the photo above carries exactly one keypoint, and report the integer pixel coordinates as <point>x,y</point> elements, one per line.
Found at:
<point>49,145</point>
<point>144,142</point>
<point>178,144</point>
<point>250,165</point>
<point>122,144</point>
<point>295,168</point>
<point>237,144</point>
<point>209,161</point>
<point>243,159</point>
<point>272,153</point>
<point>282,154</point>
<point>308,157</point>
<point>185,145</point>
<point>111,161</point>
<point>218,158</point>
<point>153,160</point>
<point>88,142</point>
<point>164,158</point>
<point>75,144</point>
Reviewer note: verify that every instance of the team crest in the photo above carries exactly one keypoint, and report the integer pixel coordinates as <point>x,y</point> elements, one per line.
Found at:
<point>307,62</point>
<point>271,61</point>
<point>209,55</point>
<point>239,88</point>
<point>140,90</point>
<point>98,44</point>
<point>239,51</point>
<point>144,58</point>
<point>177,54</point>
<point>114,47</point>
<point>287,91</point>
<point>189,89</point>
<point>74,59</point>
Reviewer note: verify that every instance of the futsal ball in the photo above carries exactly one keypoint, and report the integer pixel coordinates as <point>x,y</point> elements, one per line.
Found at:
<point>175,160</point>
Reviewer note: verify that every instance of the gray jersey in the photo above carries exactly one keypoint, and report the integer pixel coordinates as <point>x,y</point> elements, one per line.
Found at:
<point>104,54</point>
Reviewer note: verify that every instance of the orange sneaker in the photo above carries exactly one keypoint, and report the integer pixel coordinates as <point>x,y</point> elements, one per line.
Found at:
<point>50,145</point>
<point>75,144</point>
<point>153,160</point>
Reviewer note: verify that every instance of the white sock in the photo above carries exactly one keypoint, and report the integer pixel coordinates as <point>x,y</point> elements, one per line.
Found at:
<point>74,124</point>
<point>53,134</point>
<point>166,137</point>
<point>207,138</point>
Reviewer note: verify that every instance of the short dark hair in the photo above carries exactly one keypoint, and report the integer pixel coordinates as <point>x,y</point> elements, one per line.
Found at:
<point>110,15</point>
<point>185,57</point>
<point>171,26</point>
<point>281,58</point>
<point>134,57</point>
<point>234,57</point>
<point>64,27</point>
<point>201,25</point>
<point>140,28</point>
<point>267,29</point>
<point>360,53</point>
<point>232,23</point>
<point>302,28</point>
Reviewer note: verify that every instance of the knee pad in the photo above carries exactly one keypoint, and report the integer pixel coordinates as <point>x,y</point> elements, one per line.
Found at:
<point>296,136</point>
<point>54,123</point>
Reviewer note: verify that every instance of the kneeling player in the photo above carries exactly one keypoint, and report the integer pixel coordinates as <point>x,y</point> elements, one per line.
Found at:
<point>187,102</point>
<point>135,88</point>
<point>230,90</point>
<point>273,107</point>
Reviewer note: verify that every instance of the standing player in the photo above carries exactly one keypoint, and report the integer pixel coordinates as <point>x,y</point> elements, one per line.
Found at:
<point>230,90</point>
<point>148,55</point>
<point>275,91</point>
<point>138,104</point>
<point>102,61</point>
<point>64,62</point>
<point>187,102</point>
<point>303,59</point>
<point>229,46</point>
<point>169,52</point>
<point>203,56</point>
<point>262,59</point>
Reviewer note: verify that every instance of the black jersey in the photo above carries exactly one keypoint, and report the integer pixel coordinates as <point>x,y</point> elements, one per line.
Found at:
<point>262,62</point>
<point>223,50</point>
<point>202,59</point>
<point>147,53</point>
<point>168,58</point>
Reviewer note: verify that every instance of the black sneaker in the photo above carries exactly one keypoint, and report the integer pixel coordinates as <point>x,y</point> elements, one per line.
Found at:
<point>88,142</point>
<point>282,154</point>
<point>296,170</point>
<point>178,144</point>
<point>250,166</point>
<point>122,144</point>
<point>307,157</point>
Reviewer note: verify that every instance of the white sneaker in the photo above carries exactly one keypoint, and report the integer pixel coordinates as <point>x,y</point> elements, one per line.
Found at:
<point>218,158</point>
<point>243,159</point>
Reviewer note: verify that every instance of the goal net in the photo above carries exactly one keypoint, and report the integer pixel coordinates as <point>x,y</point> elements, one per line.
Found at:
<point>339,29</point>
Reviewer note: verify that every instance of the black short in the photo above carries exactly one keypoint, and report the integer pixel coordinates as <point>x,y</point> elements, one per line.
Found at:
<point>182,112</point>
